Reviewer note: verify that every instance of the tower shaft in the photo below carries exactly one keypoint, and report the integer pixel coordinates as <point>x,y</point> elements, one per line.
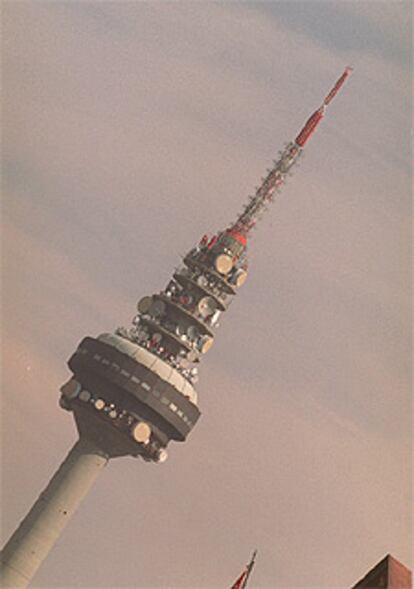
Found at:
<point>42,526</point>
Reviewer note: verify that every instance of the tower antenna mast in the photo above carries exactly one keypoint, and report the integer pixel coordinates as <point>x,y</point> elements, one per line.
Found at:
<point>289,156</point>
<point>132,392</point>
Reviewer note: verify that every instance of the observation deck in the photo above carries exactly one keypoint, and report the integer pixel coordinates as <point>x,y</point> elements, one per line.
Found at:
<point>132,394</point>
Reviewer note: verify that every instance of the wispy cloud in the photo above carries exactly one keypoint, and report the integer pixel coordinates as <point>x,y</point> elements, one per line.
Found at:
<point>377,28</point>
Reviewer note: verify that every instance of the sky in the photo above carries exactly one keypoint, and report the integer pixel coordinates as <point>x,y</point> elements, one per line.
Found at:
<point>129,130</point>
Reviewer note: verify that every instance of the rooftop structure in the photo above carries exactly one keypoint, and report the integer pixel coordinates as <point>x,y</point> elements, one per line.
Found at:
<point>389,573</point>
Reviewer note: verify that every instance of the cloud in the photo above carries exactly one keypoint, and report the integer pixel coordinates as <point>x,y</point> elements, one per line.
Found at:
<point>376,28</point>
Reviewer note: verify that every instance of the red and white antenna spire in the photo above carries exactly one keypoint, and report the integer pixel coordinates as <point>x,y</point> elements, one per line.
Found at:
<point>276,176</point>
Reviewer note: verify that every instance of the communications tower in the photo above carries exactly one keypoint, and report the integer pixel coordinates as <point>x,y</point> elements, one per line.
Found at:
<point>132,391</point>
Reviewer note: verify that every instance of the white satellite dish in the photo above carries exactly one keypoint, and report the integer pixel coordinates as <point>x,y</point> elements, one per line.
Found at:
<point>239,277</point>
<point>202,281</point>
<point>162,455</point>
<point>205,343</point>
<point>99,404</point>
<point>214,318</point>
<point>206,306</point>
<point>180,329</point>
<point>223,263</point>
<point>141,432</point>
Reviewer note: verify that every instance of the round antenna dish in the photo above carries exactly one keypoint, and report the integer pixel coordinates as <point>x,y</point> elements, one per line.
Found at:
<point>162,455</point>
<point>223,263</point>
<point>214,318</point>
<point>141,432</point>
<point>84,396</point>
<point>71,389</point>
<point>205,344</point>
<point>144,304</point>
<point>239,277</point>
<point>202,281</point>
<point>99,404</point>
<point>206,306</point>
<point>180,329</point>
<point>157,308</point>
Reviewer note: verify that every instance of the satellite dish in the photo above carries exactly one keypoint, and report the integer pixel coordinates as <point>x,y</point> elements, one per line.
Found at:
<point>180,329</point>
<point>239,277</point>
<point>162,455</point>
<point>214,318</point>
<point>113,414</point>
<point>99,404</point>
<point>223,263</point>
<point>193,333</point>
<point>141,432</point>
<point>157,308</point>
<point>144,304</point>
<point>206,306</point>
<point>205,343</point>
<point>202,280</point>
<point>84,396</point>
<point>71,389</point>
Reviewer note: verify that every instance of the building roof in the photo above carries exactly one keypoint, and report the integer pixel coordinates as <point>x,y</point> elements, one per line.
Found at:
<point>389,573</point>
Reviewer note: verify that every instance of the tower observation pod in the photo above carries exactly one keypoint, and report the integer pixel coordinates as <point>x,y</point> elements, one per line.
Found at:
<point>132,392</point>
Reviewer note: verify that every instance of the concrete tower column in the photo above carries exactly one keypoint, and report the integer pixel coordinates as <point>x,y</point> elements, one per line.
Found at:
<point>37,533</point>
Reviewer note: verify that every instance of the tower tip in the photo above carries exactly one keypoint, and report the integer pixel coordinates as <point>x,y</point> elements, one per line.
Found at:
<point>339,83</point>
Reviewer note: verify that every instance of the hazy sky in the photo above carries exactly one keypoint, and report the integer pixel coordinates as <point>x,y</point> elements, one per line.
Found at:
<point>129,130</point>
